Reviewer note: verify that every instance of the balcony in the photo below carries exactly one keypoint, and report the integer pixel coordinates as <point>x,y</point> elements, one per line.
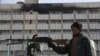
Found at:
<point>17,47</point>
<point>30,26</point>
<point>67,36</point>
<point>4,36</point>
<point>55,16</point>
<point>94,16</point>
<point>5,27</point>
<point>95,36</point>
<point>9,16</point>
<point>16,36</point>
<point>46,16</point>
<point>30,17</point>
<point>94,26</point>
<point>43,34</point>
<point>3,47</point>
<point>68,16</point>
<point>5,17</point>
<point>67,26</point>
<point>55,26</point>
<point>45,26</point>
<point>81,16</point>
<point>55,36</point>
<point>43,17</point>
<point>22,36</point>
<point>42,26</point>
<point>10,7</point>
<point>58,36</point>
<point>17,17</point>
<point>18,27</point>
<point>85,26</point>
<point>98,48</point>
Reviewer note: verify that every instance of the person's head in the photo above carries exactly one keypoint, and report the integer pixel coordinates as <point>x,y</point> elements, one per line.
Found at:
<point>76,28</point>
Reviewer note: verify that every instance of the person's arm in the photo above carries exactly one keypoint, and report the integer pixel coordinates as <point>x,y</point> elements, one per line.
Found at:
<point>60,49</point>
<point>88,47</point>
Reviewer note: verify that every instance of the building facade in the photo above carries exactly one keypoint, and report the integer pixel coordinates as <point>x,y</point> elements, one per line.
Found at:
<point>31,1</point>
<point>50,20</point>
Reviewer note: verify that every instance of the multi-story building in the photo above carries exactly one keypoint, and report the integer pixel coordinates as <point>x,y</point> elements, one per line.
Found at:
<point>22,21</point>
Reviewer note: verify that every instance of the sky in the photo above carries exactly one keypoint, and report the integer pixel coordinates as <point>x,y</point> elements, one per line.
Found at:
<point>52,1</point>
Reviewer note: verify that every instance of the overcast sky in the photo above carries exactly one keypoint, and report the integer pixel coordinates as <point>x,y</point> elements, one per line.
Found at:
<point>52,1</point>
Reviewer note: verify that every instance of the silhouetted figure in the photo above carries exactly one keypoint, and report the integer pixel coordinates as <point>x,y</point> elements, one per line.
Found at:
<point>80,45</point>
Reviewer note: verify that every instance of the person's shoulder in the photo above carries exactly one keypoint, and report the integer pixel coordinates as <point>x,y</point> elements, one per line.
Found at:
<point>85,37</point>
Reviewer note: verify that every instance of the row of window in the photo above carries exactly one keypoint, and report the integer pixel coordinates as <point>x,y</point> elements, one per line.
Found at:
<point>47,21</point>
<point>63,11</point>
<point>46,31</point>
<point>78,11</point>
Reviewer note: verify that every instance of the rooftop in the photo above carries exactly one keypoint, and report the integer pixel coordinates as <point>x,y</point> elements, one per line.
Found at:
<point>49,7</point>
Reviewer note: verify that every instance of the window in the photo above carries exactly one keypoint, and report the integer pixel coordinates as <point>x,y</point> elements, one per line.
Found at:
<point>68,21</point>
<point>30,21</point>
<point>6,12</point>
<point>3,41</point>
<point>18,12</point>
<point>43,21</point>
<point>30,31</point>
<point>17,22</point>
<point>17,32</point>
<point>94,20</point>
<point>0,32</point>
<point>6,32</point>
<point>81,11</point>
<point>67,30</point>
<point>98,42</point>
<point>82,20</point>
<point>94,11</point>
<point>56,12</point>
<point>5,22</point>
<point>55,31</point>
<point>43,31</point>
<point>68,11</point>
<point>55,21</point>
